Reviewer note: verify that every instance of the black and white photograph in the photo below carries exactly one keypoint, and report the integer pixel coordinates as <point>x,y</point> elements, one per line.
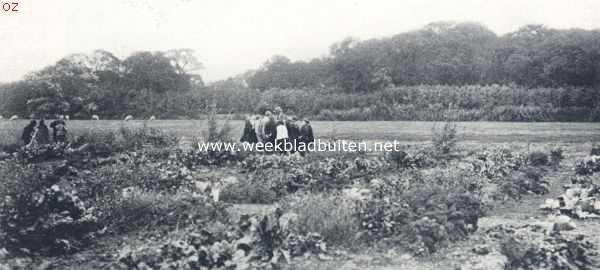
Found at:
<point>292,135</point>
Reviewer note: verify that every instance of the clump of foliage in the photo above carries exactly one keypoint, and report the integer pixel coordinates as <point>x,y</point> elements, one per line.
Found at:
<point>43,152</point>
<point>39,213</point>
<point>580,199</point>
<point>497,162</point>
<point>525,181</point>
<point>249,191</point>
<point>422,216</point>
<point>399,158</point>
<point>556,156</point>
<point>252,243</point>
<point>588,166</point>
<point>445,139</point>
<point>538,158</point>
<point>421,158</point>
<point>511,171</point>
<point>288,174</point>
<point>532,248</point>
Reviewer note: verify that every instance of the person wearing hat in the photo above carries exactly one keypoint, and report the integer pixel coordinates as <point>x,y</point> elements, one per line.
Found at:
<point>306,134</point>
<point>249,135</point>
<point>28,132</point>
<point>43,134</point>
<point>293,132</point>
<point>59,129</point>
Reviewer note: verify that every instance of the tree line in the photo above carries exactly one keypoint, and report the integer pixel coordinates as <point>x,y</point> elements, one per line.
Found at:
<point>460,69</point>
<point>446,54</point>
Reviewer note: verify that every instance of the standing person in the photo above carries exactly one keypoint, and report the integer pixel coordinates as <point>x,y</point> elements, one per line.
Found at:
<point>279,115</point>
<point>293,131</point>
<point>269,128</point>
<point>282,137</point>
<point>28,132</point>
<point>59,129</point>
<point>249,135</point>
<point>43,135</point>
<point>306,134</point>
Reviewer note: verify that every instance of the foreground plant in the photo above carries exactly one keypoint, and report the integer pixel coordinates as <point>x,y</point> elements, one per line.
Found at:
<point>252,243</point>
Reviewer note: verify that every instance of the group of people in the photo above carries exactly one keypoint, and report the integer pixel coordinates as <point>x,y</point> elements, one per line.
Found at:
<point>38,133</point>
<point>279,130</point>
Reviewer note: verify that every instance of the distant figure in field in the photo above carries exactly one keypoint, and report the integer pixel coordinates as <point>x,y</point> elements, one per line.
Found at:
<point>282,136</point>
<point>306,134</point>
<point>59,129</point>
<point>152,118</point>
<point>270,128</point>
<point>1,117</point>
<point>43,134</point>
<point>129,117</point>
<point>293,130</point>
<point>67,117</point>
<point>14,117</point>
<point>279,115</point>
<point>266,128</point>
<point>28,132</point>
<point>95,117</point>
<point>249,134</point>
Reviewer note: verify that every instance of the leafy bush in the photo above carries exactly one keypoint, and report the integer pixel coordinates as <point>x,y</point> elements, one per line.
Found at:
<point>248,191</point>
<point>43,152</point>
<point>556,156</point>
<point>399,158</point>
<point>251,243</point>
<point>588,166</point>
<point>421,215</point>
<point>445,139</point>
<point>332,216</point>
<point>581,199</point>
<point>538,158</point>
<point>497,162</point>
<point>39,214</point>
<point>532,248</point>
<point>526,181</point>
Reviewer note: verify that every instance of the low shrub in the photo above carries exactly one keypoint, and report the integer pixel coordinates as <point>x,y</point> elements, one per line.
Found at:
<point>525,181</point>
<point>538,158</point>
<point>445,139</point>
<point>556,156</point>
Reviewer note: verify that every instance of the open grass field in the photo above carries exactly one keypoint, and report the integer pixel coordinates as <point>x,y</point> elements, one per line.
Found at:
<point>406,131</point>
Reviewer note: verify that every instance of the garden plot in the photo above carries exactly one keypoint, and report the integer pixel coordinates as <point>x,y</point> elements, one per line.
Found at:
<point>142,202</point>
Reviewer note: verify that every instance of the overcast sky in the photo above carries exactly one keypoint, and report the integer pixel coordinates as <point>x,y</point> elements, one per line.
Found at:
<point>231,36</point>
